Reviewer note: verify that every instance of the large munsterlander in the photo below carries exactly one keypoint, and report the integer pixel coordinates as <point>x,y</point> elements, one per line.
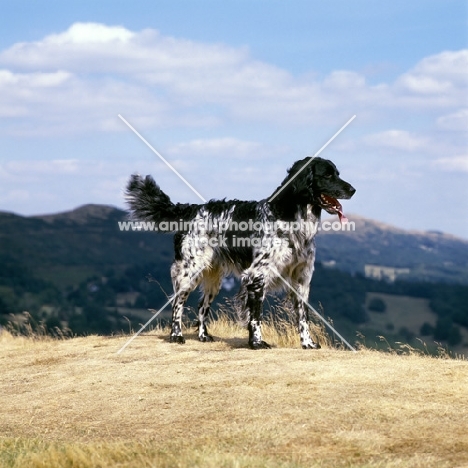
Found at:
<point>209,248</point>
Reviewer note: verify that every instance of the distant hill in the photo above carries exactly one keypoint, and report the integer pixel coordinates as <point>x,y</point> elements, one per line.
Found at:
<point>429,256</point>
<point>88,239</point>
<point>68,247</point>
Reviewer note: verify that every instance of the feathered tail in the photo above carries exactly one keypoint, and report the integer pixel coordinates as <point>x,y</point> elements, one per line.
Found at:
<point>147,202</point>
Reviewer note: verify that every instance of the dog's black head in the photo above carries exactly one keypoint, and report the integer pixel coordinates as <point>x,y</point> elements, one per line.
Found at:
<point>312,181</point>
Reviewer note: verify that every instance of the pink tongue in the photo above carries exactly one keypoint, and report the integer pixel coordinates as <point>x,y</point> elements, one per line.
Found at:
<point>343,218</point>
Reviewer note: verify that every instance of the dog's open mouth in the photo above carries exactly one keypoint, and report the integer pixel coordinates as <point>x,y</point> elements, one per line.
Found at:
<point>333,206</point>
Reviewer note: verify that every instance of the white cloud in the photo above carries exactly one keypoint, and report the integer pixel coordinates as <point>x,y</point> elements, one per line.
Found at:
<point>21,93</point>
<point>54,166</point>
<point>15,195</point>
<point>344,79</point>
<point>453,164</point>
<point>99,48</point>
<point>396,139</point>
<point>224,148</point>
<point>79,79</point>
<point>57,103</point>
<point>449,65</point>
<point>85,33</point>
<point>33,80</point>
<point>456,121</point>
<point>436,81</point>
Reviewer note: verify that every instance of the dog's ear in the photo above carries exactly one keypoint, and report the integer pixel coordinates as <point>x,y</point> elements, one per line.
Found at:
<point>301,176</point>
<point>295,190</point>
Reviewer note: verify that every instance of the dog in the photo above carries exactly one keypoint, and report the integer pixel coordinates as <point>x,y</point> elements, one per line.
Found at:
<point>266,243</point>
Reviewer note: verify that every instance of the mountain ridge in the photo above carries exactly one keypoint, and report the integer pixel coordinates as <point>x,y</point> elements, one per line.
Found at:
<point>387,226</point>
<point>80,213</point>
<point>92,229</point>
<point>96,210</point>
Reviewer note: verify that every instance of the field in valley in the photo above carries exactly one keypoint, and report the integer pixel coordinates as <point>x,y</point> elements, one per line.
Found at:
<point>408,313</point>
<point>77,403</point>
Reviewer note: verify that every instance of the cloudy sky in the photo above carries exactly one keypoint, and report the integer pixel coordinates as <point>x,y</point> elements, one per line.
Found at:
<point>232,93</point>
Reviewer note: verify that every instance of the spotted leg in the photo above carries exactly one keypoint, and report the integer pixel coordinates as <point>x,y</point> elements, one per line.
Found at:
<point>184,281</point>
<point>210,286</point>
<point>306,340</point>
<point>301,284</point>
<point>255,296</point>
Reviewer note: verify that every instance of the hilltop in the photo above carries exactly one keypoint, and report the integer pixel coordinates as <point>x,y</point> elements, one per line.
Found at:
<point>77,402</point>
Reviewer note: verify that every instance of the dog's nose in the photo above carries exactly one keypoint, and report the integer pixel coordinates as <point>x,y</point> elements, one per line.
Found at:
<point>351,190</point>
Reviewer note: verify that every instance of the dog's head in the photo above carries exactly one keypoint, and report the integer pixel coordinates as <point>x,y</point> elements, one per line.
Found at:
<point>316,182</point>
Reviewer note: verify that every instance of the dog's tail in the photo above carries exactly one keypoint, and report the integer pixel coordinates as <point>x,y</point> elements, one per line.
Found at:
<point>147,202</point>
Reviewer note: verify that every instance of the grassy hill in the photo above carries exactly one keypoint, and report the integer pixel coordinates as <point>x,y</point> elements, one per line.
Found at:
<point>77,403</point>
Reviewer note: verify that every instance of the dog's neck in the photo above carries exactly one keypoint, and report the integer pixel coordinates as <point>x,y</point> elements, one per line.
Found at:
<point>290,208</point>
<point>313,213</point>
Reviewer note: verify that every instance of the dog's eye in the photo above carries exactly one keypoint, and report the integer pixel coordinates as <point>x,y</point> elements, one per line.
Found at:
<point>327,176</point>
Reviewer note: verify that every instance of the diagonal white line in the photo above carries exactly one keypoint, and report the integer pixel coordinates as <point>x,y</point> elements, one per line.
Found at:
<point>146,324</point>
<point>314,156</point>
<point>161,158</point>
<point>155,315</point>
<point>304,300</point>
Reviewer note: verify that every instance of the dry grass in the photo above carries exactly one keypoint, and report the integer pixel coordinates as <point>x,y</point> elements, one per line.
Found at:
<point>77,403</point>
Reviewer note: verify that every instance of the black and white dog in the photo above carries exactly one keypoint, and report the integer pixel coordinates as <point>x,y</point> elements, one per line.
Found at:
<point>265,243</point>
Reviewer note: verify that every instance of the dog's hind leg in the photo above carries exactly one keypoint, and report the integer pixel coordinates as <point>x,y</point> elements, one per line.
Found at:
<point>255,287</point>
<point>185,278</point>
<point>306,340</point>
<point>210,285</point>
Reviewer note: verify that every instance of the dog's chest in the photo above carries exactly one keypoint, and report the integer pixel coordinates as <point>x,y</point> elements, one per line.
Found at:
<point>301,237</point>
<point>302,247</point>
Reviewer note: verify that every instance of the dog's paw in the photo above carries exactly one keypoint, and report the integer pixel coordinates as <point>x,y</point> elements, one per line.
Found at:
<point>259,345</point>
<point>311,345</point>
<point>177,339</point>
<point>206,338</point>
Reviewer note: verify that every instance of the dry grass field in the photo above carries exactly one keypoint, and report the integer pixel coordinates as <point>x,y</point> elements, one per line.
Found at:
<point>77,403</point>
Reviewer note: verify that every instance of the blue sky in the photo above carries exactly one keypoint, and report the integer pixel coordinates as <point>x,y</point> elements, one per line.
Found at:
<point>232,93</point>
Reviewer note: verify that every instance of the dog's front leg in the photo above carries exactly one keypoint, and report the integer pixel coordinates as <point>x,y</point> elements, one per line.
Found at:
<point>203,309</point>
<point>306,340</point>
<point>255,295</point>
<point>177,311</point>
